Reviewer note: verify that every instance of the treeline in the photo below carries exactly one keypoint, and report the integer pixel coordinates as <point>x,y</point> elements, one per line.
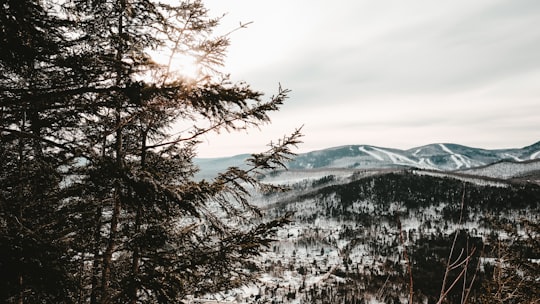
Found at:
<point>413,192</point>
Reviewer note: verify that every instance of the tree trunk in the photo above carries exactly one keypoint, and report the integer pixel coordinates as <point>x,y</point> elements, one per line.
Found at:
<point>95,265</point>
<point>20,200</point>
<point>135,264</point>
<point>115,218</point>
<point>136,251</point>
<point>107,256</point>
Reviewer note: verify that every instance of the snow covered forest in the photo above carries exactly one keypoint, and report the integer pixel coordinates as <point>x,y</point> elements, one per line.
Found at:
<point>402,236</point>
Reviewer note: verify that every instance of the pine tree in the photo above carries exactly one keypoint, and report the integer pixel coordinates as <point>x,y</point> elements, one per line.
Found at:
<point>92,175</point>
<point>34,259</point>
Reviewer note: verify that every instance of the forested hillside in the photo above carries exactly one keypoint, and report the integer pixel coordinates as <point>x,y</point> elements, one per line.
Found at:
<point>382,236</point>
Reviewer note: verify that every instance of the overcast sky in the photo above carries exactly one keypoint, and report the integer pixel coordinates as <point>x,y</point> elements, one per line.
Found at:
<point>396,74</point>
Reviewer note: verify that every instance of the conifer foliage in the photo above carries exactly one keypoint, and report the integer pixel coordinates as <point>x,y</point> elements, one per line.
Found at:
<point>98,203</point>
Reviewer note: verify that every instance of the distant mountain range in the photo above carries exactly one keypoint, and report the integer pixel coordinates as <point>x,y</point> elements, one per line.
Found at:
<point>439,157</point>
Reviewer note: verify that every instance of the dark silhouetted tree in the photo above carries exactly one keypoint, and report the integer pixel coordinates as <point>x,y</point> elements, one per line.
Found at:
<point>98,198</point>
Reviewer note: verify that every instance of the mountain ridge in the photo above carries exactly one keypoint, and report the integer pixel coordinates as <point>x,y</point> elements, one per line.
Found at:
<point>441,156</point>
<point>435,156</point>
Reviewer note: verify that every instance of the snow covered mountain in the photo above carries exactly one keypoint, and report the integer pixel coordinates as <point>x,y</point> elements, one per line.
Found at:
<point>440,157</point>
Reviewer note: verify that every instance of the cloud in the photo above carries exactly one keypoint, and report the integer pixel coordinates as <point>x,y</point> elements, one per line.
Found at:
<point>395,71</point>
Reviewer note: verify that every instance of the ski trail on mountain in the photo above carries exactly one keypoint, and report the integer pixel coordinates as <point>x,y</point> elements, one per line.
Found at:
<point>395,158</point>
<point>374,155</point>
<point>458,159</point>
<point>514,157</point>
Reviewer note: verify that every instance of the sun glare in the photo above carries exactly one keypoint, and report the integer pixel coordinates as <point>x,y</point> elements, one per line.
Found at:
<point>178,66</point>
<point>185,66</point>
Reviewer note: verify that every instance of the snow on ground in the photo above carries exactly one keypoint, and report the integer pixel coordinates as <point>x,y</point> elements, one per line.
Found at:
<point>290,177</point>
<point>417,151</point>
<point>513,157</point>
<point>535,155</point>
<point>374,155</point>
<point>445,149</point>
<point>478,180</point>
<point>458,159</point>
<point>505,170</point>
<point>396,158</point>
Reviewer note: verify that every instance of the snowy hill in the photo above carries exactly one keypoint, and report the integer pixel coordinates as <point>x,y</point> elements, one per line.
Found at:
<point>351,226</point>
<point>526,170</point>
<point>440,156</point>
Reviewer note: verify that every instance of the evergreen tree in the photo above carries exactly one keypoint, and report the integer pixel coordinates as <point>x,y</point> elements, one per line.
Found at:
<point>34,258</point>
<point>97,194</point>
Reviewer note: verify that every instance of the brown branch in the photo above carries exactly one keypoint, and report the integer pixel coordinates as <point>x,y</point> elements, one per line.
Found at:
<point>456,264</point>
<point>466,295</point>
<point>448,262</point>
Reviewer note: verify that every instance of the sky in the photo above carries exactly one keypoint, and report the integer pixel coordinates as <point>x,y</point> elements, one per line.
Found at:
<point>396,74</point>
